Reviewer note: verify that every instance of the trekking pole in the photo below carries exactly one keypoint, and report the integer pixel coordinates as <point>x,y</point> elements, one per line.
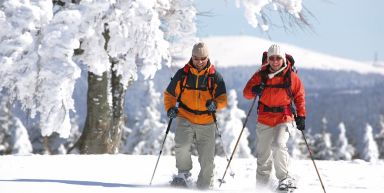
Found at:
<point>161,150</point>
<point>313,161</point>
<point>238,139</point>
<point>222,144</point>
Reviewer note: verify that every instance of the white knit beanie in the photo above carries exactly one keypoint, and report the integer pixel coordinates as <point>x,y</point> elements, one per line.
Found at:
<point>275,50</point>
<point>200,50</point>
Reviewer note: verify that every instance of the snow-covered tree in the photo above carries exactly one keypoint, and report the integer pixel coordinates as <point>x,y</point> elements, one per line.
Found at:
<point>44,42</point>
<point>36,60</point>
<point>21,143</point>
<point>115,39</point>
<point>296,145</point>
<point>368,149</point>
<point>179,16</point>
<point>322,144</point>
<point>148,133</point>
<point>14,138</point>
<point>343,150</point>
<point>257,12</point>
<point>230,120</point>
<point>380,137</point>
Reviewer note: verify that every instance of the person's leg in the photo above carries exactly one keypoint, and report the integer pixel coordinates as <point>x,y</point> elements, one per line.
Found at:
<point>264,137</point>
<point>280,150</point>
<point>205,143</point>
<point>183,141</point>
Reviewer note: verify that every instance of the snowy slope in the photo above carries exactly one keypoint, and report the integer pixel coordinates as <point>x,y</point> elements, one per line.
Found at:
<point>131,174</point>
<point>226,51</point>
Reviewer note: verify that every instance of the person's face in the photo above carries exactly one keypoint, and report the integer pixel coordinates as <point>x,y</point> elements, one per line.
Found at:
<point>199,62</point>
<point>276,62</point>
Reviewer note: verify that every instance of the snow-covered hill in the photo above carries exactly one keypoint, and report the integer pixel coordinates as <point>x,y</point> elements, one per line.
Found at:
<point>229,51</point>
<point>132,174</point>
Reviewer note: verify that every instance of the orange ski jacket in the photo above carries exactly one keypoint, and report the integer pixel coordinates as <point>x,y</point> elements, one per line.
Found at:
<point>198,88</point>
<point>273,97</point>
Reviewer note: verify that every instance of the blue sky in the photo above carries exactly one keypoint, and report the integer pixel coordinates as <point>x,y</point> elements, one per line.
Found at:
<point>351,29</point>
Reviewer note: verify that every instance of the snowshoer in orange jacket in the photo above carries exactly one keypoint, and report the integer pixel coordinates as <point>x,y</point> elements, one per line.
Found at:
<point>281,103</point>
<point>192,97</point>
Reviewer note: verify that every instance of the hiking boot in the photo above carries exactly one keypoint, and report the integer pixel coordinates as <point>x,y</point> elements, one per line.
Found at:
<point>181,180</point>
<point>287,183</point>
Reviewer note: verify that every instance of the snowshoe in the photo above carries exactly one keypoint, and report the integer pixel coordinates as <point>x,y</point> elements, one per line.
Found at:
<point>286,190</point>
<point>181,180</point>
<point>286,185</point>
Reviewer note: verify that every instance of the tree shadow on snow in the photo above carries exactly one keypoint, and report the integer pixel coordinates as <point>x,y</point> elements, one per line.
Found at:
<point>78,182</point>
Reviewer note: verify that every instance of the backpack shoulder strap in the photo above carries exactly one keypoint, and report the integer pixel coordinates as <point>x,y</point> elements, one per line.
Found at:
<point>183,80</point>
<point>211,79</point>
<point>288,83</point>
<point>264,59</point>
<point>264,76</point>
<point>290,59</point>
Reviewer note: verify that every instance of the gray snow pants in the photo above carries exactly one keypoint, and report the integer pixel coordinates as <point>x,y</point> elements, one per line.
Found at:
<point>271,148</point>
<point>204,135</point>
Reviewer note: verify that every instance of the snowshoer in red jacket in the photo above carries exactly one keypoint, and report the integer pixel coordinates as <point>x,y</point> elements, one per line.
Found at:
<point>278,88</point>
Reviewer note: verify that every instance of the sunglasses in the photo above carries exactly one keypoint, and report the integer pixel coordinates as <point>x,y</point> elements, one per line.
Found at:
<point>197,58</point>
<point>274,58</point>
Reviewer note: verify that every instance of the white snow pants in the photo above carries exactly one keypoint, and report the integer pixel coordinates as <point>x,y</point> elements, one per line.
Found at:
<point>205,144</point>
<point>271,148</point>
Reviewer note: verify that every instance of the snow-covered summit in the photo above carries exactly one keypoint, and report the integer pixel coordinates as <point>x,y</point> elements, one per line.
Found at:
<point>229,51</point>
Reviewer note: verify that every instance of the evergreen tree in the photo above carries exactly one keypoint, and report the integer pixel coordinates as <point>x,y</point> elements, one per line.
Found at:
<point>343,150</point>
<point>20,143</point>
<point>116,40</point>
<point>380,137</point>
<point>5,133</point>
<point>323,143</point>
<point>296,145</point>
<point>14,138</point>
<point>230,120</point>
<point>44,42</point>
<point>368,150</point>
<point>148,133</point>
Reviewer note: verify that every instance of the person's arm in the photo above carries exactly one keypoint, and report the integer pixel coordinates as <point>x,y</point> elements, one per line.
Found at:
<point>299,95</point>
<point>220,93</point>
<point>171,93</point>
<point>255,80</point>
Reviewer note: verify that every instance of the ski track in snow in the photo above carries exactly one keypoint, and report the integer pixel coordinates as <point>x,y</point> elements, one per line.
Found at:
<point>132,174</point>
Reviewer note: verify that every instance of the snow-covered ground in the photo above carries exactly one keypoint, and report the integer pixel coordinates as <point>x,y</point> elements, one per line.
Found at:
<point>132,174</point>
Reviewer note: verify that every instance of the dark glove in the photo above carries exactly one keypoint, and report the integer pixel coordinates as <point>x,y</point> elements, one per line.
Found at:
<point>258,89</point>
<point>172,112</point>
<point>211,105</point>
<point>300,123</point>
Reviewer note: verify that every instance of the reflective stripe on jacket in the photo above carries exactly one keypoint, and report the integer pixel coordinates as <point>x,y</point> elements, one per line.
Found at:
<point>196,93</point>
